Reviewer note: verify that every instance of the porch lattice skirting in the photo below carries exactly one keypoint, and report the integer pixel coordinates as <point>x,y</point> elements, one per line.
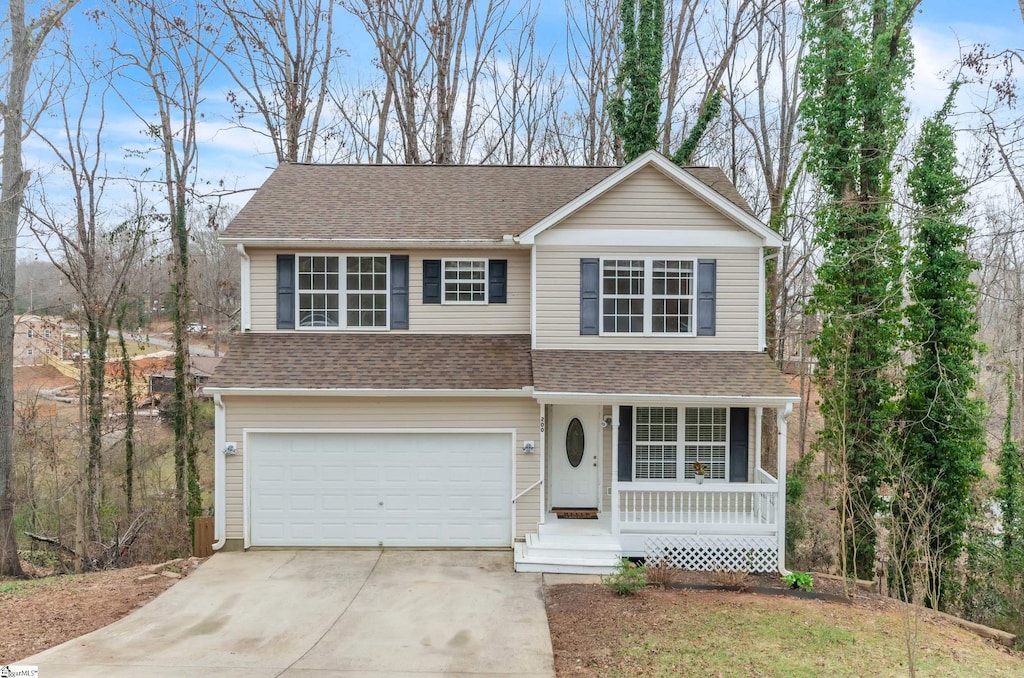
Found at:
<point>715,553</point>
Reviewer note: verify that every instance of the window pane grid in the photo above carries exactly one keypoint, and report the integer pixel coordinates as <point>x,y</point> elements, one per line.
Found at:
<point>656,450</point>
<point>704,436</point>
<point>465,280</point>
<point>366,299</point>
<point>672,296</point>
<point>623,295</point>
<point>319,291</point>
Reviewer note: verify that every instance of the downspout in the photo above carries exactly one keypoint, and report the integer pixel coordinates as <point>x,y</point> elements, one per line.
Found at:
<point>219,473</point>
<point>781,423</point>
<point>245,321</point>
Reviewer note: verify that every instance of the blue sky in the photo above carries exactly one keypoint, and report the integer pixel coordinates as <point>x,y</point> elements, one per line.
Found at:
<point>240,159</point>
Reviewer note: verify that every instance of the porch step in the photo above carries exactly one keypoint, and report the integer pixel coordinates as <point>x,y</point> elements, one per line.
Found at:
<point>575,528</point>
<point>527,560</point>
<point>571,547</point>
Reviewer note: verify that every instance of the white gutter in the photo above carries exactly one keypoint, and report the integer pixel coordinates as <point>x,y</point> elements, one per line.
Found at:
<point>245,322</point>
<point>219,474</point>
<point>722,400</point>
<point>526,392</point>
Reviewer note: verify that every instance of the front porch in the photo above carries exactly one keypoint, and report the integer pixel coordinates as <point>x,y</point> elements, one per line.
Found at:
<point>714,525</point>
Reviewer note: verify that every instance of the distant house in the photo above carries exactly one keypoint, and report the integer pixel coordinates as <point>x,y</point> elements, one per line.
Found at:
<point>36,336</point>
<point>162,381</point>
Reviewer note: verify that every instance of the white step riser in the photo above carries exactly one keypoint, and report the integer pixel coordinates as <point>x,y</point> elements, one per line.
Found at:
<point>577,542</point>
<point>588,544</point>
<point>562,569</point>
<point>558,555</point>
<point>549,529</point>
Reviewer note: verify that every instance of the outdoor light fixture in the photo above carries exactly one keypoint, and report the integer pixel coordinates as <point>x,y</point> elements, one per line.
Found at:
<point>528,447</point>
<point>230,448</point>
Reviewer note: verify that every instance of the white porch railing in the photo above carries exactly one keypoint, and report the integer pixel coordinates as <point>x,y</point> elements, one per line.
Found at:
<point>764,477</point>
<point>668,507</point>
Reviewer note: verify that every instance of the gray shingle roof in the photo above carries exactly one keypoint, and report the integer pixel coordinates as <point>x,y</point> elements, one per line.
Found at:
<point>686,373</point>
<point>380,361</point>
<point>318,360</point>
<point>420,202</point>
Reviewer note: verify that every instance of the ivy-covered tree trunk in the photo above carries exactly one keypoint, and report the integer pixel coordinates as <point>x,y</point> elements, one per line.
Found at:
<point>96,333</point>
<point>1010,493</point>
<point>129,415</point>
<point>635,110</point>
<point>855,71</point>
<point>943,439</point>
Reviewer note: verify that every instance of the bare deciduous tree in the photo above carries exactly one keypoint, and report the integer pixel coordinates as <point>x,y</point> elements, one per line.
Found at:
<point>26,39</point>
<point>172,68</point>
<point>92,252</point>
<point>284,54</point>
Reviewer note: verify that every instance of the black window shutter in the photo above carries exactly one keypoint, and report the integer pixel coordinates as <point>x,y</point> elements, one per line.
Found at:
<point>399,291</point>
<point>625,443</point>
<point>590,286</point>
<point>286,291</point>
<point>739,444</point>
<point>431,281</point>
<point>497,281</point>
<point>706,284</point>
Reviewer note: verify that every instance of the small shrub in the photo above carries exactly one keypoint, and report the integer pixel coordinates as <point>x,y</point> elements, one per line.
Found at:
<point>627,580</point>
<point>798,580</point>
<point>661,573</point>
<point>739,581</point>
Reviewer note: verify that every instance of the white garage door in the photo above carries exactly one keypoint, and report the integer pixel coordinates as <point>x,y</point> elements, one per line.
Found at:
<point>370,489</point>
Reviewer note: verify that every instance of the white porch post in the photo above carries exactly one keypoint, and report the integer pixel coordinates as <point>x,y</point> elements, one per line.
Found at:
<point>782,415</point>
<point>613,505</point>
<point>758,418</point>
<point>542,456</point>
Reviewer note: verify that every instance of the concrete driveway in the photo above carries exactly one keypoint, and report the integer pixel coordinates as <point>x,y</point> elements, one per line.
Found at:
<point>327,613</point>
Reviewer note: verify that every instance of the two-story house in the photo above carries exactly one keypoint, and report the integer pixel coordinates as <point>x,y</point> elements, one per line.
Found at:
<point>535,358</point>
<point>35,338</point>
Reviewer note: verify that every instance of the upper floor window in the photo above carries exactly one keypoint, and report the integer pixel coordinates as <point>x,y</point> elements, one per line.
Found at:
<point>648,296</point>
<point>46,333</point>
<point>30,333</point>
<point>366,286</point>
<point>325,296</point>
<point>465,281</point>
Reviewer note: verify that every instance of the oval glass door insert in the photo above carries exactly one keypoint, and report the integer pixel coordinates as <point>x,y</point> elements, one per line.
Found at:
<point>574,442</point>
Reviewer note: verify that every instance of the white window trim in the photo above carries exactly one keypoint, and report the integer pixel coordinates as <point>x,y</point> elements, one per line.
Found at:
<point>648,297</point>
<point>681,443</point>
<point>487,279</point>
<point>343,291</point>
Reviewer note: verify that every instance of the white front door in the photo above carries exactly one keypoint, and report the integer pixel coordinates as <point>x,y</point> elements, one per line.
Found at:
<point>574,448</point>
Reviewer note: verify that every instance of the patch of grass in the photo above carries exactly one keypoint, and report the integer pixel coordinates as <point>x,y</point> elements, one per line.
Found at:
<point>19,587</point>
<point>688,633</point>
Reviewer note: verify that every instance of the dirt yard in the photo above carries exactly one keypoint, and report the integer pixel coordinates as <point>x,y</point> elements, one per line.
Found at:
<point>683,632</point>
<point>36,614</point>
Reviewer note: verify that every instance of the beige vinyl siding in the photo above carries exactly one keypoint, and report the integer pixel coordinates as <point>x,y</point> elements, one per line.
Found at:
<point>648,200</point>
<point>512,317</point>
<point>311,414</point>
<point>558,300</point>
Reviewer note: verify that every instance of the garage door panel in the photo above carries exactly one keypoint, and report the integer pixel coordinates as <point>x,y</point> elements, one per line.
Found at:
<point>415,489</point>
